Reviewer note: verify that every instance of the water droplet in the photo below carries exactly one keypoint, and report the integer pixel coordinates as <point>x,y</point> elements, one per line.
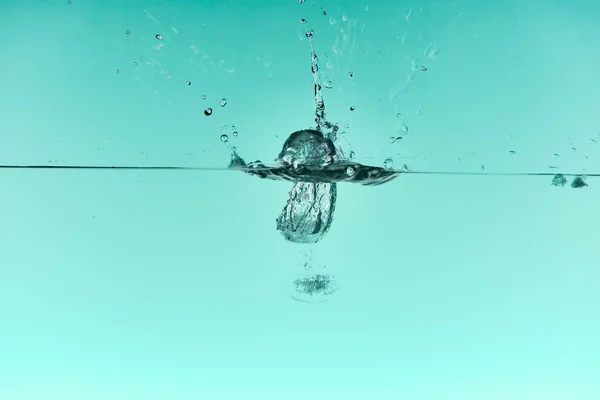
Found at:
<point>235,133</point>
<point>309,34</point>
<point>224,102</point>
<point>344,18</point>
<point>398,138</point>
<point>127,32</point>
<point>402,129</point>
<point>423,68</point>
<point>224,138</point>
<point>350,170</point>
<point>352,108</point>
<point>388,163</point>
<point>159,37</point>
<point>431,52</point>
<point>135,63</point>
<point>303,21</point>
<point>398,115</point>
<point>203,97</point>
<point>392,140</point>
<point>188,83</point>
<point>352,154</point>
<point>512,152</point>
<point>351,74</point>
<point>346,126</point>
<point>328,83</point>
<point>208,112</point>
<point>69,2</point>
<point>117,71</point>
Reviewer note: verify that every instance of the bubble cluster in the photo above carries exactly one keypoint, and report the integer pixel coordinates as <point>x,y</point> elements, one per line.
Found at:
<point>313,288</point>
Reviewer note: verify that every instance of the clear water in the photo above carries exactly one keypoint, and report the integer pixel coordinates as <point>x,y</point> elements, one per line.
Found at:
<point>153,284</point>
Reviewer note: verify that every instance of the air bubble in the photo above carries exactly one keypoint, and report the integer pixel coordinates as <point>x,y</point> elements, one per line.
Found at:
<point>402,129</point>
<point>398,115</point>
<point>303,21</point>
<point>423,68</point>
<point>203,97</point>
<point>392,140</point>
<point>135,63</point>
<point>351,74</point>
<point>352,108</point>
<point>350,170</point>
<point>388,163</point>
<point>235,133</point>
<point>223,102</point>
<point>328,83</point>
<point>188,83</point>
<point>309,34</point>
<point>117,71</point>
<point>224,138</point>
<point>159,37</point>
<point>344,18</point>
<point>208,112</point>
<point>127,32</point>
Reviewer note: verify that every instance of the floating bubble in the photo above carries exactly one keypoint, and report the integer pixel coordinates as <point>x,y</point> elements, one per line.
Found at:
<point>127,32</point>
<point>328,83</point>
<point>303,21</point>
<point>208,112</point>
<point>117,71</point>
<point>352,108</point>
<point>159,37</point>
<point>392,139</point>
<point>188,83</point>
<point>224,138</point>
<point>398,115</point>
<point>423,68</point>
<point>223,102</point>
<point>203,97</point>
<point>351,74</point>
<point>235,133</point>
<point>313,288</point>
<point>309,34</point>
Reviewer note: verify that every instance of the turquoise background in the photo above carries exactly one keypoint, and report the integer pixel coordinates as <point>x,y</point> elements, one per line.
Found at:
<point>156,284</point>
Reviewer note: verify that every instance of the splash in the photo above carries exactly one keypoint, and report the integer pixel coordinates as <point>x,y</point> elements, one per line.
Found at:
<point>314,161</point>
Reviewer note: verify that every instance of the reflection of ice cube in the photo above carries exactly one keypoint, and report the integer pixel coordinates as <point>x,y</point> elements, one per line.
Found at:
<point>308,214</point>
<point>313,288</point>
